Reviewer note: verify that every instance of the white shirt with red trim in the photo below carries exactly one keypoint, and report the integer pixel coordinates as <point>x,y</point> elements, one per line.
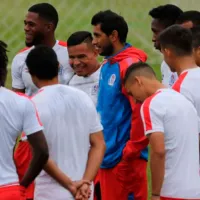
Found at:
<point>89,84</point>
<point>168,77</point>
<point>21,78</point>
<point>17,114</point>
<point>188,84</point>
<point>171,113</point>
<point>69,117</point>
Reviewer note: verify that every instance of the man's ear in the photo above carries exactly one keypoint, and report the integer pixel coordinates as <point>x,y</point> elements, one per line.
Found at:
<point>114,36</point>
<point>138,80</point>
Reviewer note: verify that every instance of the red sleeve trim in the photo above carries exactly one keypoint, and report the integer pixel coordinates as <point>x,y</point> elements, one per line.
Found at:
<point>178,83</point>
<point>146,112</point>
<point>62,43</point>
<point>24,49</point>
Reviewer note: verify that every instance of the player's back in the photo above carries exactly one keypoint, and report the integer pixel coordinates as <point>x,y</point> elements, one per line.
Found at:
<point>12,108</point>
<point>188,84</point>
<point>181,130</point>
<point>66,116</point>
<point>89,84</point>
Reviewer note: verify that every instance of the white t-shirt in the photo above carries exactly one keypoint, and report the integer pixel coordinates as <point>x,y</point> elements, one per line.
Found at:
<point>21,78</point>
<point>89,84</point>
<point>171,113</point>
<point>168,77</point>
<point>69,117</point>
<point>17,114</point>
<point>188,84</point>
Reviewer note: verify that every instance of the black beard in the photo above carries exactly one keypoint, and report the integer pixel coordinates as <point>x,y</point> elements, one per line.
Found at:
<point>108,50</point>
<point>38,39</point>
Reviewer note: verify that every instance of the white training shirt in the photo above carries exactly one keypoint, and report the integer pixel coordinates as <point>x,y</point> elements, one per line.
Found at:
<point>171,113</point>
<point>21,78</point>
<point>69,117</point>
<point>188,84</point>
<point>168,77</point>
<point>17,114</point>
<point>89,84</point>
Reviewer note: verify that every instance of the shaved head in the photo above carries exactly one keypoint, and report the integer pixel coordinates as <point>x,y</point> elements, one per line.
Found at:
<point>139,69</point>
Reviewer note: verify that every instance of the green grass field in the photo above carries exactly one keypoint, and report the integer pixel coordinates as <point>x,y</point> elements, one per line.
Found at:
<point>76,15</point>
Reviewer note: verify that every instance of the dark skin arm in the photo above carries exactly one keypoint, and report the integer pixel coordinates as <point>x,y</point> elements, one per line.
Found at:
<point>40,157</point>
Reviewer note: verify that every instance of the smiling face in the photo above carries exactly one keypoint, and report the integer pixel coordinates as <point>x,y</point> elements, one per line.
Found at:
<point>83,58</point>
<point>157,28</point>
<point>34,28</point>
<point>102,42</point>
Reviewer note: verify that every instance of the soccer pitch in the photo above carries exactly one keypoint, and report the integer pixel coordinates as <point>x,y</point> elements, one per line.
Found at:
<point>76,15</point>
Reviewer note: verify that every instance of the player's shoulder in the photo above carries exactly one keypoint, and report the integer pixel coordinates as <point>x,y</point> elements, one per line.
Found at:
<point>22,54</point>
<point>61,45</point>
<point>157,99</point>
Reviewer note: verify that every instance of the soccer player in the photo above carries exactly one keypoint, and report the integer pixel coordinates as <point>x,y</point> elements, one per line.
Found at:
<point>39,25</point>
<point>72,127</point>
<point>176,46</point>
<point>189,19</point>
<point>17,114</point>
<point>123,170</point>
<point>196,44</point>
<point>172,126</point>
<point>163,17</point>
<point>83,60</point>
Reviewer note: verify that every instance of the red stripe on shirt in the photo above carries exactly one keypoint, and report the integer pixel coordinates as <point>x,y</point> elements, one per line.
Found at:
<point>62,43</point>
<point>37,115</point>
<point>146,112</point>
<point>178,83</point>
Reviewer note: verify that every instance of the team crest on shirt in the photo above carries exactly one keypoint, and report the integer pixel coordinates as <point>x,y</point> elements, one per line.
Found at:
<point>60,72</point>
<point>112,79</point>
<point>95,89</point>
<point>172,79</point>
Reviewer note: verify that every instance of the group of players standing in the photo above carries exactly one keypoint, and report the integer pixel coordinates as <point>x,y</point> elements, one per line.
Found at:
<point>94,143</point>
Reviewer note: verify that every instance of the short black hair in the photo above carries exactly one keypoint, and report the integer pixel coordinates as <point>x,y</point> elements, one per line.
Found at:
<point>166,14</point>
<point>46,11</point>
<point>139,69</point>
<point>192,15</point>
<point>79,37</point>
<point>195,36</point>
<point>178,38</point>
<point>110,21</point>
<point>42,62</point>
<point>3,62</point>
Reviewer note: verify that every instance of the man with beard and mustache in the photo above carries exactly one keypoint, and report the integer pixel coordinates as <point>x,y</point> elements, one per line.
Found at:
<point>40,24</point>
<point>162,17</point>
<point>123,170</point>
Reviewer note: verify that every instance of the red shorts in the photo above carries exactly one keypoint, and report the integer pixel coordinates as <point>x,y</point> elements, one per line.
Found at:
<point>167,198</point>
<point>97,189</point>
<point>22,158</point>
<point>127,180</point>
<point>12,193</point>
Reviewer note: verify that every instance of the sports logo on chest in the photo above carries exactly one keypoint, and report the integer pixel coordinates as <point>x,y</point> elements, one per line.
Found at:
<point>111,80</point>
<point>61,68</point>
<point>95,89</point>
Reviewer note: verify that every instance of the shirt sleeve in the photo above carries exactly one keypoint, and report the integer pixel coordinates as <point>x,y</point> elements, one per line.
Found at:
<point>95,125</point>
<point>31,122</point>
<point>153,117</point>
<point>16,72</point>
<point>186,93</point>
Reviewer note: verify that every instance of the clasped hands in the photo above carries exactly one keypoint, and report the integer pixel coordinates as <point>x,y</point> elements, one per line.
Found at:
<point>80,189</point>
